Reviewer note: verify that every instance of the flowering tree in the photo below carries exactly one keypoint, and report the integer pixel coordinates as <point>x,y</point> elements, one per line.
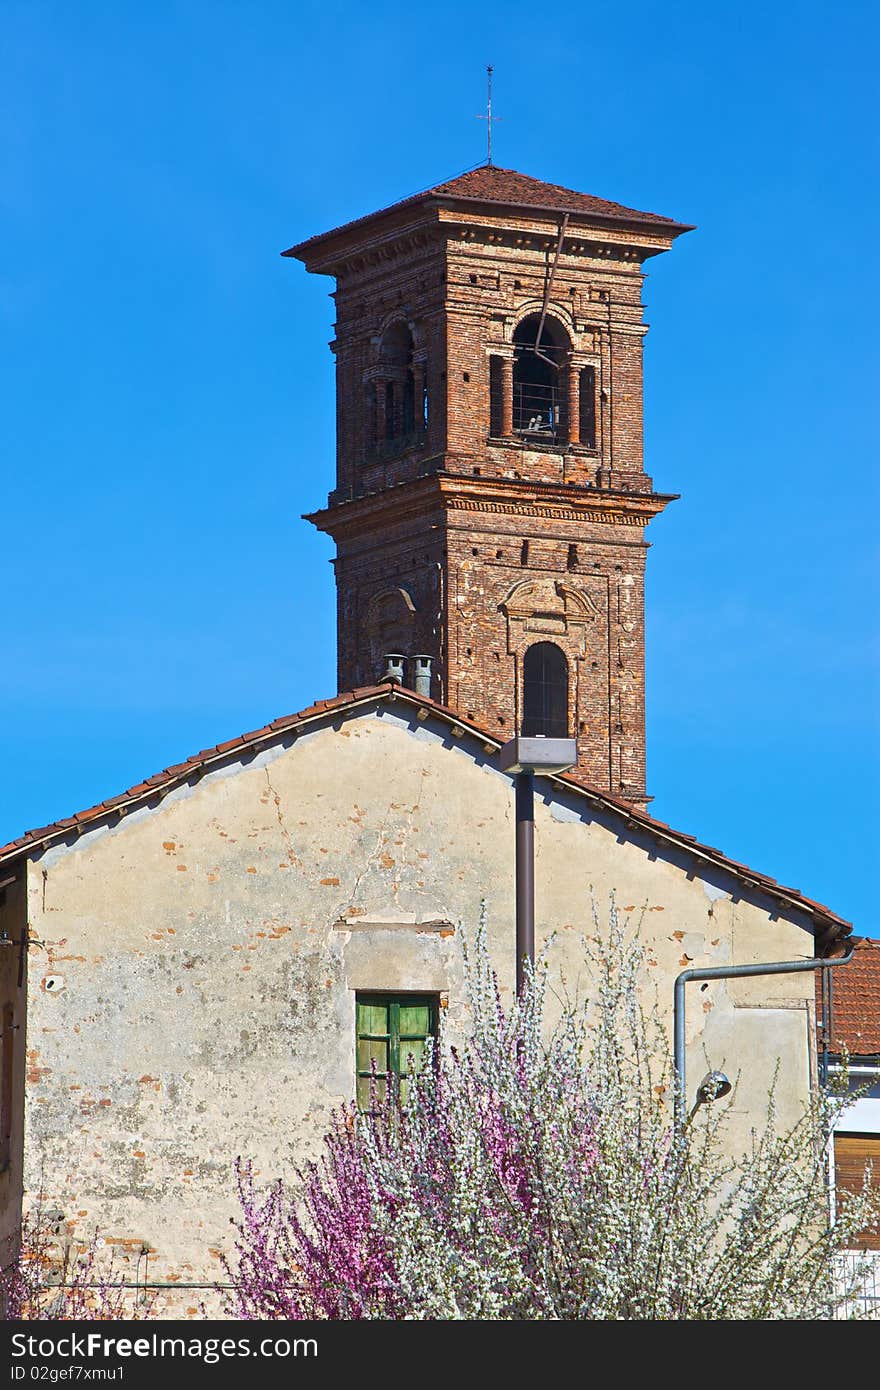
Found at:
<point>62,1281</point>
<point>535,1174</point>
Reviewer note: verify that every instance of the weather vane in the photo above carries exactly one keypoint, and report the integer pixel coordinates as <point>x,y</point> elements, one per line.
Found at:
<point>489,118</point>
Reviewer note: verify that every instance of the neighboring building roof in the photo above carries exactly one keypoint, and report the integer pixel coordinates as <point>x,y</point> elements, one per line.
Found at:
<point>824,920</point>
<point>508,188</point>
<point>855,1003</point>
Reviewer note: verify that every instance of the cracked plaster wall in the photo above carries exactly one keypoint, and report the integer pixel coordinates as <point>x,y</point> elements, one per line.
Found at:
<point>205,956</point>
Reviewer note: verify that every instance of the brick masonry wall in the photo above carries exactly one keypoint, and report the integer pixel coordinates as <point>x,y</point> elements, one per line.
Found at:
<point>487,563</point>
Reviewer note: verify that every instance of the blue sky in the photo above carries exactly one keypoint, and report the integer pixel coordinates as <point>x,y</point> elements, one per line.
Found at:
<point>168,407</point>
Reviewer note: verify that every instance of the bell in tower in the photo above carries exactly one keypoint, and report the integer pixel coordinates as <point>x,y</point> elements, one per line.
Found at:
<point>491,498</point>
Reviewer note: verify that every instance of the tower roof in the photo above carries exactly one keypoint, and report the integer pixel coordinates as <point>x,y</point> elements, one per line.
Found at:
<point>492,185</point>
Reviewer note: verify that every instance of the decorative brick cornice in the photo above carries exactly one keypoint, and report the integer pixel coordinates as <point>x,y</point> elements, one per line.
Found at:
<point>453,492</point>
<point>488,196</point>
<point>604,516</point>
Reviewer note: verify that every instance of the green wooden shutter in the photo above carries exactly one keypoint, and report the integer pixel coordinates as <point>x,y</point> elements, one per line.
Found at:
<point>373,1047</point>
<point>415,1021</point>
<point>392,1030</point>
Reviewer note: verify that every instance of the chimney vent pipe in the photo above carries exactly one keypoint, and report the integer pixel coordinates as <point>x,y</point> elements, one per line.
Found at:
<point>422,678</point>
<point>393,667</point>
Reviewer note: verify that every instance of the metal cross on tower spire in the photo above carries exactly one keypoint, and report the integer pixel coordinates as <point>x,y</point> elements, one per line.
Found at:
<point>489,118</point>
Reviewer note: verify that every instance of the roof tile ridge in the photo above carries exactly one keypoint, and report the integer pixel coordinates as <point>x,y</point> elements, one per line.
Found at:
<point>362,694</point>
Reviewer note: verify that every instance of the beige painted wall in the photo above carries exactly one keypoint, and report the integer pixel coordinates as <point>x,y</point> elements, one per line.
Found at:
<point>13,1001</point>
<point>195,997</point>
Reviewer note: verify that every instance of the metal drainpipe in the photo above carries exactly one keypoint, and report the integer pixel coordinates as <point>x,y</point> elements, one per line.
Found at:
<point>441,629</point>
<point>525,877</point>
<point>827,1018</point>
<point>727,972</point>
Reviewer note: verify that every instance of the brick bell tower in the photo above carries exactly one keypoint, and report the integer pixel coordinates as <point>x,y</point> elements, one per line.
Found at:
<point>491,500</point>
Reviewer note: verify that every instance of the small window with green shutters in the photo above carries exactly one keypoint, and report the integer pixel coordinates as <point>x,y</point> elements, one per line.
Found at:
<point>392,1030</point>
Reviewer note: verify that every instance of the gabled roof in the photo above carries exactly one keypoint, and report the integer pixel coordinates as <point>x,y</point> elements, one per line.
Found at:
<point>492,185</point>
<point>825,922</point>
<point>855,1003</point>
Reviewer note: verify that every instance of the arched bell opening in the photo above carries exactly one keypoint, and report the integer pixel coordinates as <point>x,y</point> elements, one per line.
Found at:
<point>540,394</point>
<point>396,414</point>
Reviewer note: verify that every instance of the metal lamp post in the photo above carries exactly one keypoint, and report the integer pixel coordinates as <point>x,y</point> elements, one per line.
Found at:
<point>523,757</point>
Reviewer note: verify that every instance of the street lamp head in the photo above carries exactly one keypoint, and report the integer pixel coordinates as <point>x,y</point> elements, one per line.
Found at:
<point>713,1086</point>
<point>538,754</point>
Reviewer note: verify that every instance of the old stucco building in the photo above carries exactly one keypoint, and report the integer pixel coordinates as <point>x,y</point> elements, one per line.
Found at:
<point>185,966</point>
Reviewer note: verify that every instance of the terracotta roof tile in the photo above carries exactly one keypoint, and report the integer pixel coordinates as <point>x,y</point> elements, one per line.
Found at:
<point>492,184</point>
<point>508,188</point>
<point>855,1003</point>
<point>34,839</point>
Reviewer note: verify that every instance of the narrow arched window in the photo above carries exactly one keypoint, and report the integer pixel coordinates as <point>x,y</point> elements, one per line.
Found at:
<point>409,404</point>
<point>396,358</point>
<point>372,418</point>
<point>496,402</point>
<point>545,691</point>
<point>390,413</point>
<point>588,406</point>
